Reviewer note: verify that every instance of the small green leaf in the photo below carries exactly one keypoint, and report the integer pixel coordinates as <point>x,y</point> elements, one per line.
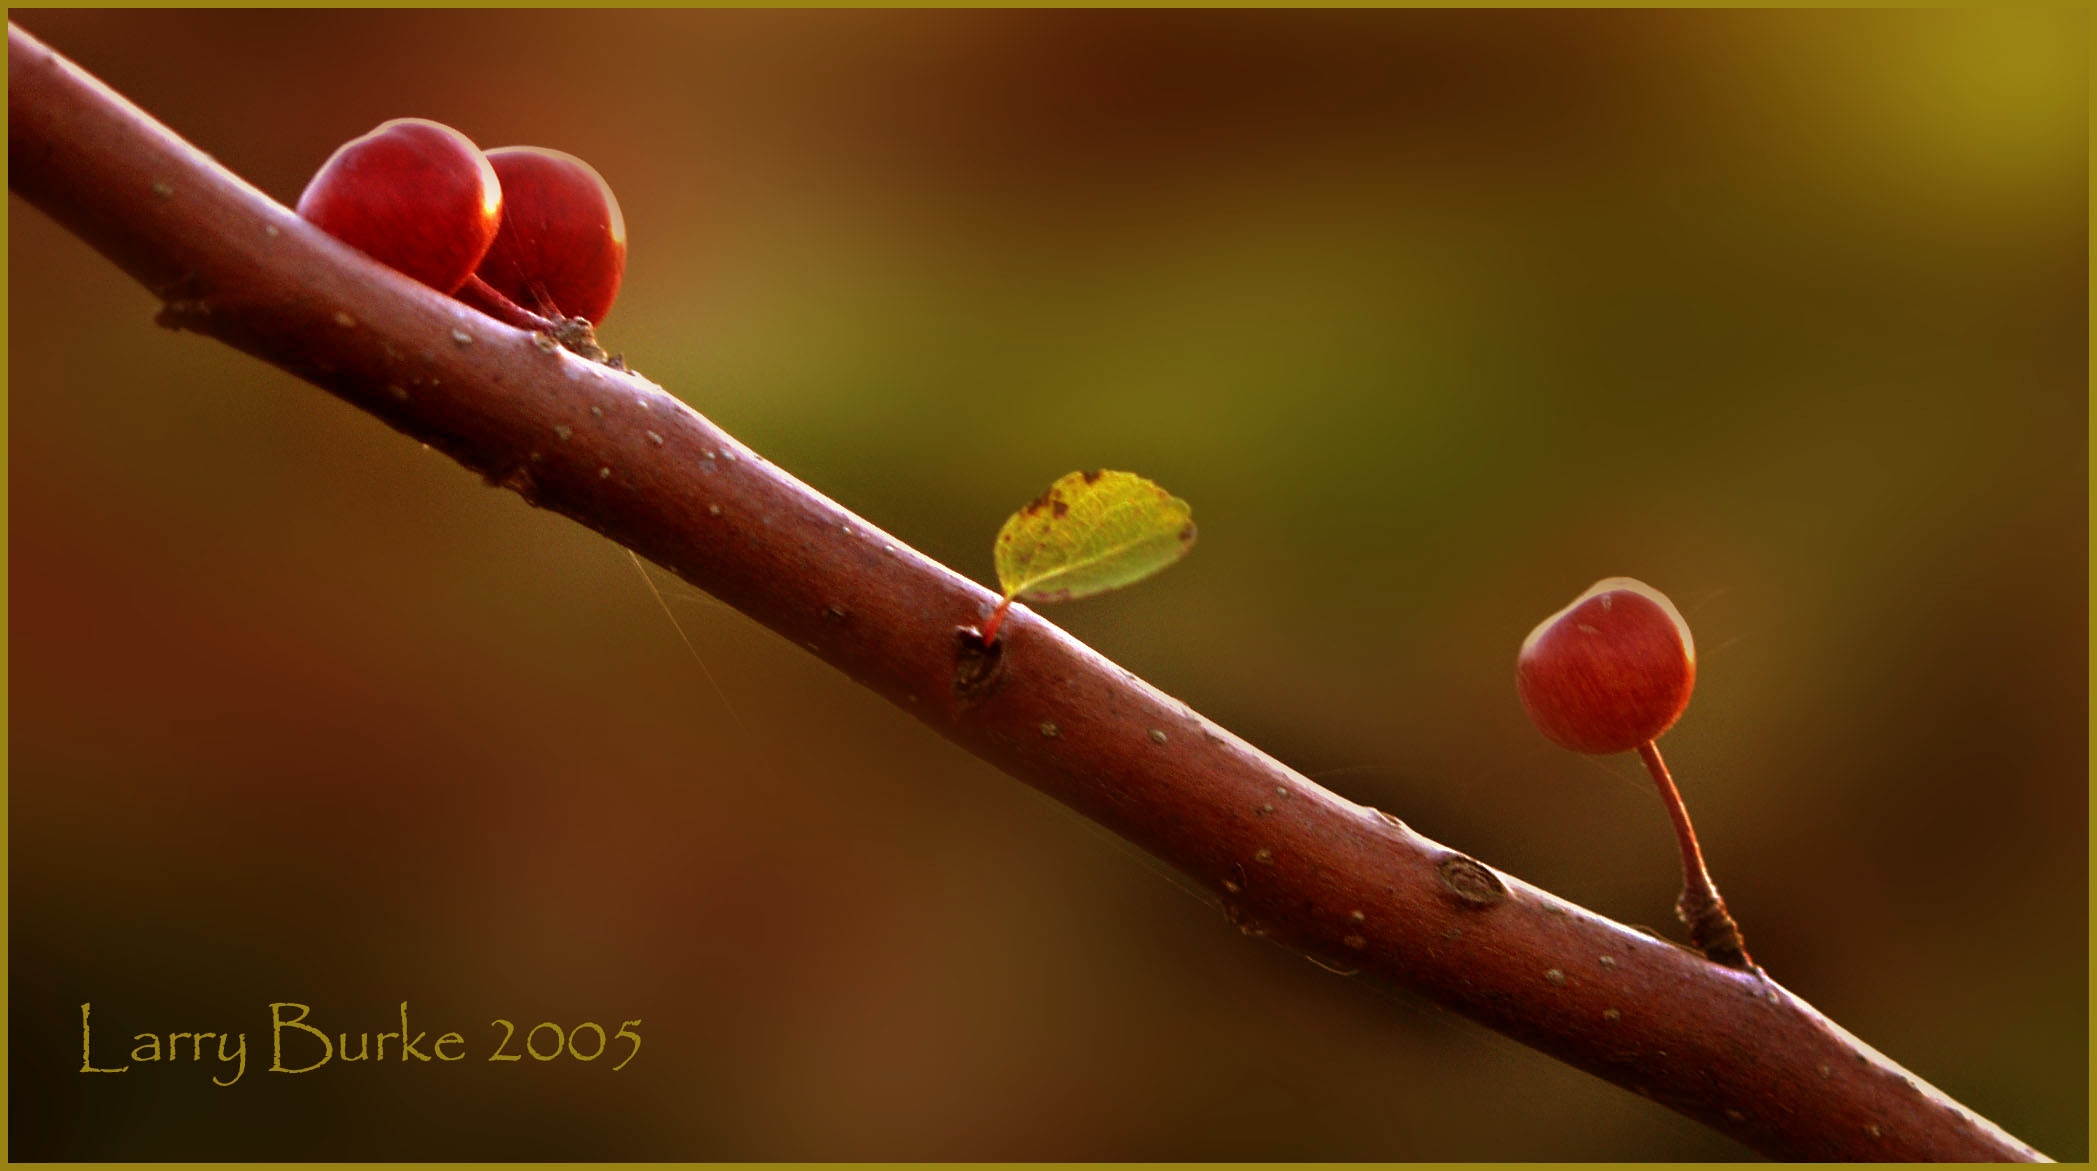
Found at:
<point>1089,533</point>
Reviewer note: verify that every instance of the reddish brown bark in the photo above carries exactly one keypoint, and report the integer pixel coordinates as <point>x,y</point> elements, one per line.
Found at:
<point>1286,859</point>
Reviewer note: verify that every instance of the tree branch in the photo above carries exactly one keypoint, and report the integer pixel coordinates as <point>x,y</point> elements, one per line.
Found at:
<point>1286,859</point>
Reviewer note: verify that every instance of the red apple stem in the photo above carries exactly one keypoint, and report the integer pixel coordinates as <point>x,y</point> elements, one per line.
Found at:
<point>1711,928</point>
<point>483,296</point>
<point>575,333</point>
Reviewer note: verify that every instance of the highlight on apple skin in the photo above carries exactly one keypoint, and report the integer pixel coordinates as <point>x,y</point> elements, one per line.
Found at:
<point>413,194</point>
<point>1611,671</point>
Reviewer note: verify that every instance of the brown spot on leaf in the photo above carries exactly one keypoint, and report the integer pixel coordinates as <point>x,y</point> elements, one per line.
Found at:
<point>1093,477</point>
<point>1057,509</point>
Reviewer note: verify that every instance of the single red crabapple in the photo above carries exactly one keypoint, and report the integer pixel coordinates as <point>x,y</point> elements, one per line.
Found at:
<point>413,194</point>
<point>561,250</point>
<point>1609,672</point>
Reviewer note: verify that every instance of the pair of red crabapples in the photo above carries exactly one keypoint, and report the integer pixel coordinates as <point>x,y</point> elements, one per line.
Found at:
<point>519,228</point>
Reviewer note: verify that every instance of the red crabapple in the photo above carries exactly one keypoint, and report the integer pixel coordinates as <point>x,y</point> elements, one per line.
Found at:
<point>413,194</point>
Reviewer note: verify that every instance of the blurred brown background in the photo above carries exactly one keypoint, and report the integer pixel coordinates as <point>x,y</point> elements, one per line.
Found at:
<point>1436,318</point>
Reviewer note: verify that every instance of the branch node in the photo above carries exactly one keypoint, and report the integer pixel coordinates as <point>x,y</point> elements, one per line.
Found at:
<point>518,479</point>
<point>1471,881</point>
<point>976,674</point>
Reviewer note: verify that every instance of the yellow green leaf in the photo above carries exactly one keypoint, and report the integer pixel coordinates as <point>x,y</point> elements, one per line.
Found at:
<point>1089,533</point>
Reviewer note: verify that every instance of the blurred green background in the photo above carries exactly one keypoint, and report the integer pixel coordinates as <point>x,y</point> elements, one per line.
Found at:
<point>1435,317</point>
